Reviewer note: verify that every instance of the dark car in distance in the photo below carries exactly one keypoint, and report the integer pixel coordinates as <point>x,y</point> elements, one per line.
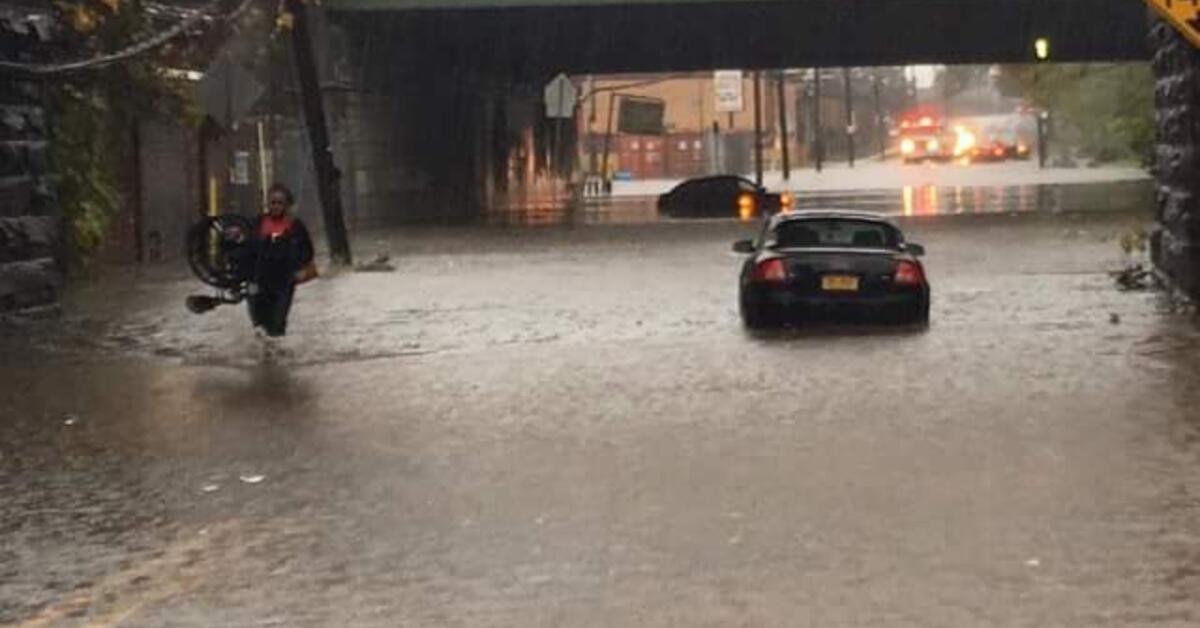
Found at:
<point>832,264</point>
<point>721,196</point>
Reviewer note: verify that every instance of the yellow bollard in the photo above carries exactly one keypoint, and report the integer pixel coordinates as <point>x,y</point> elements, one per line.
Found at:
<point>213,205</point>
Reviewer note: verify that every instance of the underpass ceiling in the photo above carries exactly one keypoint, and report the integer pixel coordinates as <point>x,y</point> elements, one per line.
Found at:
<point>599,36</point>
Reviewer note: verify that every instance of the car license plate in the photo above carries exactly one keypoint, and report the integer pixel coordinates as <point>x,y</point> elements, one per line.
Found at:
<point>839,283</point>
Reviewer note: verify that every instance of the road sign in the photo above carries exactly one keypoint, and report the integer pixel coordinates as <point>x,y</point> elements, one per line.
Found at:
<point>728,87</point>
<point>561,97</point>
<point>228,92</point>
<point>1183,14</point>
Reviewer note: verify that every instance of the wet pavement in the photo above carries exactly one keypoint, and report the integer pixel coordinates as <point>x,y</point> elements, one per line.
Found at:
<point>569,427</point>
<point>873,174</point>
<point>924,190</point>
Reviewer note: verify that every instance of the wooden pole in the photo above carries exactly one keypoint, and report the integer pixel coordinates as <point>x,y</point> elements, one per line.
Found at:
<point>318,135</point>
<point>784,140</point>
<point>849,98</point>
<point>817,129</point>
<point>758,156</point>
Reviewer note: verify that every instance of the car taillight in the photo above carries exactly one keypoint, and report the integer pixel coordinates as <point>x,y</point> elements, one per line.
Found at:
<point>771,270</point>
<point>745,206</point>
<point>908,274</point>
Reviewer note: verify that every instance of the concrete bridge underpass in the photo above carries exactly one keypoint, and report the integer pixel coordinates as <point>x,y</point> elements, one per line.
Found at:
<point>441,114</point>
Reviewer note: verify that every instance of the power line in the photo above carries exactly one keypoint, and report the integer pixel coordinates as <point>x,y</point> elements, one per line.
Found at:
<point>195,17</point>
<point>633,85</point>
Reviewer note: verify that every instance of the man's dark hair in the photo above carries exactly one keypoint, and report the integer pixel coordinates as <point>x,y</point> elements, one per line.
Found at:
<point>284,190</point>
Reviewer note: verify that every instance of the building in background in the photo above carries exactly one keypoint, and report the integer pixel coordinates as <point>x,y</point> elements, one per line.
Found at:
<point>698,138</point>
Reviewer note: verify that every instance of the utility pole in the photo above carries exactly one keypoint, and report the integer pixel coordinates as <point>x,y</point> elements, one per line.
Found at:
<point>758,156</point>
<point>591,121</point>
<point>784,140</point>
<point>819,132</point>
<point>612,105</point>
<point>849,98</point>
<point>880,132</point>
<point>318,134</point>
<point>716,163</point>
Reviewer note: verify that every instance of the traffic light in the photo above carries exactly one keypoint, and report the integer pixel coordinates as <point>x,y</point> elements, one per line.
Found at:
<point>1041,48</point>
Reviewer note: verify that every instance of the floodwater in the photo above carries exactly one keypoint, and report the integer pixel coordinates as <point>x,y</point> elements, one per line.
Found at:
<point>569,427</point>
<point>924,199</point>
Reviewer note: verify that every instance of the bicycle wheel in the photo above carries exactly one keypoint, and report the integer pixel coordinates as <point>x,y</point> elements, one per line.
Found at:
<point>220,250</point>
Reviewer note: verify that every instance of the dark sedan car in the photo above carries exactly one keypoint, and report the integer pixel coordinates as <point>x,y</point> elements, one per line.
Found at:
<point>839,264</point>
<point>723,196</point>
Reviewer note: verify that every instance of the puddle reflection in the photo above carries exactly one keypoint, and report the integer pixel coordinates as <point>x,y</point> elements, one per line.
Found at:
<point>916,200</point>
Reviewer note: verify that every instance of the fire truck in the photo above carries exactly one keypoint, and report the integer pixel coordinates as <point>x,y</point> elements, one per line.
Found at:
<point>922,134</point>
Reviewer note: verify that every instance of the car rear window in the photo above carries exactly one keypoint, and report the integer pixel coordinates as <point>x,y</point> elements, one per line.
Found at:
<point>834,232</point>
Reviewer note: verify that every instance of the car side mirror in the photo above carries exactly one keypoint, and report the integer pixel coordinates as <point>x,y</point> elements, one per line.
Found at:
<point>743,246</point>
<point>915,249</point>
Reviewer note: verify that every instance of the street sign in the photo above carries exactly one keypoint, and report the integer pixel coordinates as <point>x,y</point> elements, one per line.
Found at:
<point>1183,14</point>
<point>561,97</point>
<point>728,87</point>
<point>241,168</point>
<point>228,92</point>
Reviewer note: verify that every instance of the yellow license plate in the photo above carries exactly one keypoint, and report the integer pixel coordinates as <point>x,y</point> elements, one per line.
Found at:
<point>839,283</point>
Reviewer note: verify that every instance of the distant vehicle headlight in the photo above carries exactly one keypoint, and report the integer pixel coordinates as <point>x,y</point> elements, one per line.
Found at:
<point>964,141</point>
<point>907,146</point>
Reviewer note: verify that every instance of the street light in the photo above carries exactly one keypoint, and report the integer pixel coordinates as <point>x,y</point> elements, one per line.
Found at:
<point>1041,52</point>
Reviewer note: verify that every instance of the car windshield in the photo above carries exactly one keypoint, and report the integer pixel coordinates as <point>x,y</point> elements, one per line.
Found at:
<point>834,232</point>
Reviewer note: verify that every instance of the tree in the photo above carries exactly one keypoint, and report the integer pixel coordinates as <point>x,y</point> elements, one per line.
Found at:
<point>1106,111</point>
<point>955,79</point>
<point>95,111</point>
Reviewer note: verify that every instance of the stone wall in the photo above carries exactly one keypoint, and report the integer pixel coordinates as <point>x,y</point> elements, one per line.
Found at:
<point>30,273</point>
<point>420,143</point>
<point>1176,242</point>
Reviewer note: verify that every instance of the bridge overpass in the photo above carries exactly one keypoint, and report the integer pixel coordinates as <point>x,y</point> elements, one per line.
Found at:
<point>604,36</point>
<point>442,116</point>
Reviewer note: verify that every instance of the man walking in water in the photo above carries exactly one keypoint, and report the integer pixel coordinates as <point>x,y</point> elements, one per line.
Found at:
<point>285,259</point>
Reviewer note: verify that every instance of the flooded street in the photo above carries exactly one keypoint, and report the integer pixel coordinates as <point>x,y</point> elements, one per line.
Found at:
<point>569,427</point>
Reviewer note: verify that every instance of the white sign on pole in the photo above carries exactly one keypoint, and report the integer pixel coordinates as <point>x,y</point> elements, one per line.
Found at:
<point>728,87</point>
<point>561,97</point>
<point>241,168</point>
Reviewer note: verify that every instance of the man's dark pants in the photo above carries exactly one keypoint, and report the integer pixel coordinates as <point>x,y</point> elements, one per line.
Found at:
<point>269,308</point>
